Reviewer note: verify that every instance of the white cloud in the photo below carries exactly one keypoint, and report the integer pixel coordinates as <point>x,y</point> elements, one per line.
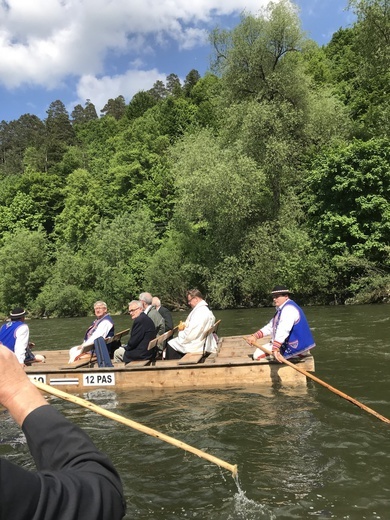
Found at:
<point>99,90</point>
<point>43,42</point>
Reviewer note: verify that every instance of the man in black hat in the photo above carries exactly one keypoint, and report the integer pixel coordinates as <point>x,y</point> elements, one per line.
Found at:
<point>289,330</point>
<point>15,335</point>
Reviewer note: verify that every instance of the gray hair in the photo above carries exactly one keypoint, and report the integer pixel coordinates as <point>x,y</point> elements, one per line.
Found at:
<point>146,297</point>
<point>136,302</point>
<point>100,303</point>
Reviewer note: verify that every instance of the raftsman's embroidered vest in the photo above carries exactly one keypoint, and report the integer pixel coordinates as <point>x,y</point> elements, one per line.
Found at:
<point>300,338</point>
<point>95,324</point>
<point>8,334</point>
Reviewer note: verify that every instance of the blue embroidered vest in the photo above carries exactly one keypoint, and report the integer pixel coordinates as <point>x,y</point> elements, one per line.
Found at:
<point>300,338</point>
<point>7,334</point>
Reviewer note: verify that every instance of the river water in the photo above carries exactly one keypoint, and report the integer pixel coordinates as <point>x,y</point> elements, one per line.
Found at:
<point>301,454</point>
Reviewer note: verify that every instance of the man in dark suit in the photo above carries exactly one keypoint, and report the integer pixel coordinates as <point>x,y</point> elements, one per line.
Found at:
<point>142,332</point>
<point>165,313</point>
<point>73,479</point>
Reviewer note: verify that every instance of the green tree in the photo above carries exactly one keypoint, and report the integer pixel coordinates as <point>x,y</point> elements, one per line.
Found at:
<point>59,133</point>
<point>115,108</point>
<point>139,104</point>
<point>350,208</point>
<point>80,213</point>
<point>350,215</point>
<point>220,192</point>
<point>110,265</point>
<point>90,113</point>
<point>24,268</point>
<point>173,85</point>
<point>190,81</point>
<point>15,138</point>
<point>77,115</point>
<point>67,292</point>
<point>257,56</point>
<point>158,91</point>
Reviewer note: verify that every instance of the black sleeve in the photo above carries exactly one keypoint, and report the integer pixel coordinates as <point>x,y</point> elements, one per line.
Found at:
<point>74,479</point>
<point>165,313</point>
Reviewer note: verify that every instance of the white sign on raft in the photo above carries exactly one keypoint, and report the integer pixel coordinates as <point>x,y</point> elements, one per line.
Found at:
<point>41,378</point>
<point>106,379</point>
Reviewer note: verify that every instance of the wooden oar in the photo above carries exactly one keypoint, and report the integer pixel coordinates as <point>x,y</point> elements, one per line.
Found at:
<point>329,387</point>
<point>136,426</point>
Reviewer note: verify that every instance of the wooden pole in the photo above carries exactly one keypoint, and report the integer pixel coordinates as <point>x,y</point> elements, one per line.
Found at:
<point>132,424</point>
<point>329,387</point>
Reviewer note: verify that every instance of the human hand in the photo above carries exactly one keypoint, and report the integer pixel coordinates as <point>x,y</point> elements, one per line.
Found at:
<point>17,393</point>
<point>278,356</point>
<point>181,326</point>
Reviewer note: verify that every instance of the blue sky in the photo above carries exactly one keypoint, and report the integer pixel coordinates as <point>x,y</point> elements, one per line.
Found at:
<point>99,49</point>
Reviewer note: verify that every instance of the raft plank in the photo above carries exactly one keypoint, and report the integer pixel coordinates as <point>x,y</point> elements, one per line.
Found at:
<point>217,371</point>
<point>191,358</point>
<point>138,363</point>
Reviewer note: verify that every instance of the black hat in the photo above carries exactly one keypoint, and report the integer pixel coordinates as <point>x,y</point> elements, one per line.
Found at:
<point>279,289</point>
<point>18,312</point>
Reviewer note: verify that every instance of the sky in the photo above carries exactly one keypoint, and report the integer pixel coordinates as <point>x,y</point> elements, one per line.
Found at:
<point>74,50</point>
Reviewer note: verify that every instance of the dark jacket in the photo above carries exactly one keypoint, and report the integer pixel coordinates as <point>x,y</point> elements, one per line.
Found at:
<point>142,332</point>
<point>74,479</point>
<point>166,314</point>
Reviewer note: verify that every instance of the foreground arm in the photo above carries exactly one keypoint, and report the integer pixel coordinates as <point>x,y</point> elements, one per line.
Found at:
<point>74,480</point>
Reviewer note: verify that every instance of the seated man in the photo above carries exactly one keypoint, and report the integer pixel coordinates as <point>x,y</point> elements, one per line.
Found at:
<point>103,327</point>
<point>165,313</point>
<point>190,336</point>
<point>289,330</point>
<point>15,336</point>
<point>142,332</point>
<point>146,299</point>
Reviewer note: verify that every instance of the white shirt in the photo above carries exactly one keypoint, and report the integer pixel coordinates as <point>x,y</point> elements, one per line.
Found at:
<point>190,339</point>
<point>102,330</point>
<point>288,318</point>
<point>22,335</point>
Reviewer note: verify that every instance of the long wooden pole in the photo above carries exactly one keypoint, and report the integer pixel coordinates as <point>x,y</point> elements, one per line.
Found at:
<point>136,426</point>
<point>329,387</point>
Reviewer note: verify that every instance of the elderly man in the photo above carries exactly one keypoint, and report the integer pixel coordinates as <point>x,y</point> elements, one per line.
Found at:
<point>289,330</point>
<point>190,336</point>
<point>165,313</point>
<point>15,335</point>
<point>142,332</point>
<point>149,310</point>
<point>102,327</point>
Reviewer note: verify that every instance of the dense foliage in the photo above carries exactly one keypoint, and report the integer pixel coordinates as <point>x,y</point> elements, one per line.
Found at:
<point>272,168</point>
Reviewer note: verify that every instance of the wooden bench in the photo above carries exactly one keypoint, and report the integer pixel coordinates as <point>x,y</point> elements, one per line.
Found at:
<point>78,364</point>
<point>152,344</point>
<point>160,339</point>
<point>138,363</point>
<point>118,336</point>
<point>85,350</point>
<point>108,341</point>
<point>191,358</point>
